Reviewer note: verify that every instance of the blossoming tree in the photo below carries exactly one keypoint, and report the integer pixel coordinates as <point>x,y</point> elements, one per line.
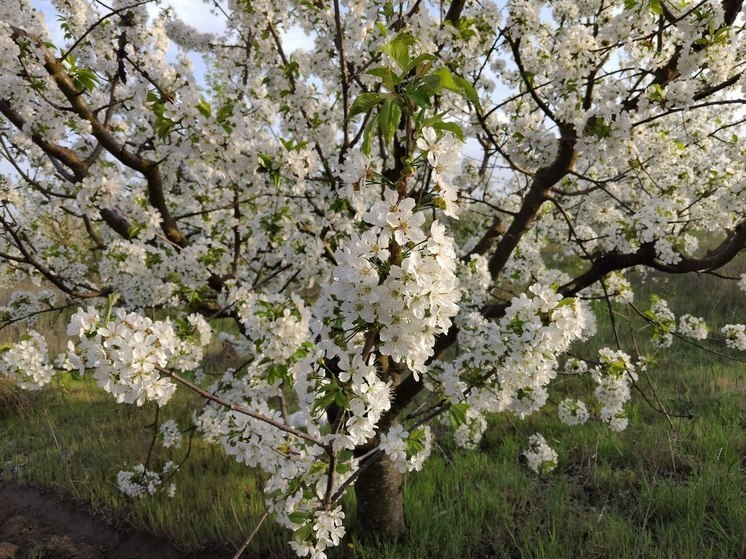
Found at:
<point>317,202</point>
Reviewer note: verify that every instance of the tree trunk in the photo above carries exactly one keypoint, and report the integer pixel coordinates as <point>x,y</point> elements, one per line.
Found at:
<point>380,500</point>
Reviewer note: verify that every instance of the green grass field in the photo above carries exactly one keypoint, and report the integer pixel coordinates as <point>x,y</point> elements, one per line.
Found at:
<point>651,491</point>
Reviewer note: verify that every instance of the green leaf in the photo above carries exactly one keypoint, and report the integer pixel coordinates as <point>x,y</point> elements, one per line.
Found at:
<point>277,371</point>
<point>457,414</point>
<point>445,77</point>
<point>304,533</point>
<point>451,127</point>
<point>657,95</point>
<point>468,92</point>
<point>458,85</point>
<point>599,128</point>
<point>84,79</point>
<point>388,119</point>
<point>388,77</point>
<point>204,108</point>
<point>656,6</point>
<point>398,49</point>
<point>341,400</point>
<point>421,96</point>
<point>365,102</point>
<point>330,395</point>
<point>368,135</point>
<point>225,112</point>
<point>420,59</point>
<point>298,517</point>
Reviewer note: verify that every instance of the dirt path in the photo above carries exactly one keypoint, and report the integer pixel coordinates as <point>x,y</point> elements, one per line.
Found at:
<point>41,524</point>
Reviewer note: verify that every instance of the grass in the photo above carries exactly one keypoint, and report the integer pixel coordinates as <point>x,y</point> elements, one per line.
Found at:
<point>648,492</point>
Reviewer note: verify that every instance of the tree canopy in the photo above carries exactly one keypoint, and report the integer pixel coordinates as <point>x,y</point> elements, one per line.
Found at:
<point>407,220</point>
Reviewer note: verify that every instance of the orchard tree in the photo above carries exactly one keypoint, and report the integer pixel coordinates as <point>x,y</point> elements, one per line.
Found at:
<point>405,222</point>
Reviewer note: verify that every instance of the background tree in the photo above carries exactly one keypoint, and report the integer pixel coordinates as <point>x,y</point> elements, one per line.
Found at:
<point>302,207</point>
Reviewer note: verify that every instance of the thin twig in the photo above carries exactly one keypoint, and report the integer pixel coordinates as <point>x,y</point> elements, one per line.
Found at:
<point>251,536</point>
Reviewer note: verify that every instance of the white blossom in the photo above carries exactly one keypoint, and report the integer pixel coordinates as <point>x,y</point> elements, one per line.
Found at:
<point>541,458</point>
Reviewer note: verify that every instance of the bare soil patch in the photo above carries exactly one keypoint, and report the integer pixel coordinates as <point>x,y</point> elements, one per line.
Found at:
<point>41,524</point>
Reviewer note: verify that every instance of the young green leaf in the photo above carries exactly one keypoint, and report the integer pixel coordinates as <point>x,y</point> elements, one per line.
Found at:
<point>398,49</point>
<point>365,102</point>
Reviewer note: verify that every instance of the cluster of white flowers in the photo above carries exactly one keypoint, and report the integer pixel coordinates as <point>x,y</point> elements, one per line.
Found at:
<point>474,281</point>
<point>136,269</point>
<point>276,324</point>
<point>408,451</point>
<point>186,36</point>
<point>297,469</point>
<point>444,157</point>
<point>735,336</point>
<point>328,527</point>
<point>369,398</point>
<point>128,351</point>
<point>407,303</point>
<point>572,412</point>
<point>139,481</point>
<point>613,378</point>
<point>663,322</point>
<point>329,530</point>
<point>26,362</point>
<point>170,434</point>
<point>574,366</point>
<point>541,458</point>
<point>469,433</point>
<point>693,327</point>
<point>507,365</point>
<point>194,334</point>
<point>353,173</point>
<point>619,288</point>
<point>26,305</point>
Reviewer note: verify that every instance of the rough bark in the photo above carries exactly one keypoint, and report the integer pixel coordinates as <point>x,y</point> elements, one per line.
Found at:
<point>380,500</point>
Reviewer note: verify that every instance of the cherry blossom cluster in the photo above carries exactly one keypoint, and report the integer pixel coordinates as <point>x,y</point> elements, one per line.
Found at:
<point>663,322</point>
<point>368,398</point>
<point>735,336</point>
<point>170,434</point>
<point>693,327</point>
<point>572,412</point>
<point>129,352</point>
<point>407,450</point>
<point>26,305</point>
<point>298,470</point>
<point>276,324</point>
<point>474,282</point>
<point>328,527</point>
<point>396,279</point>
<point>26,362</point>
<point>507,365</point>
<point>140,481</point>
<point>354,173</point>
<point>541,458</point>
<point>613,377</point>
<point>444,157</point>
<point>619,288</point>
